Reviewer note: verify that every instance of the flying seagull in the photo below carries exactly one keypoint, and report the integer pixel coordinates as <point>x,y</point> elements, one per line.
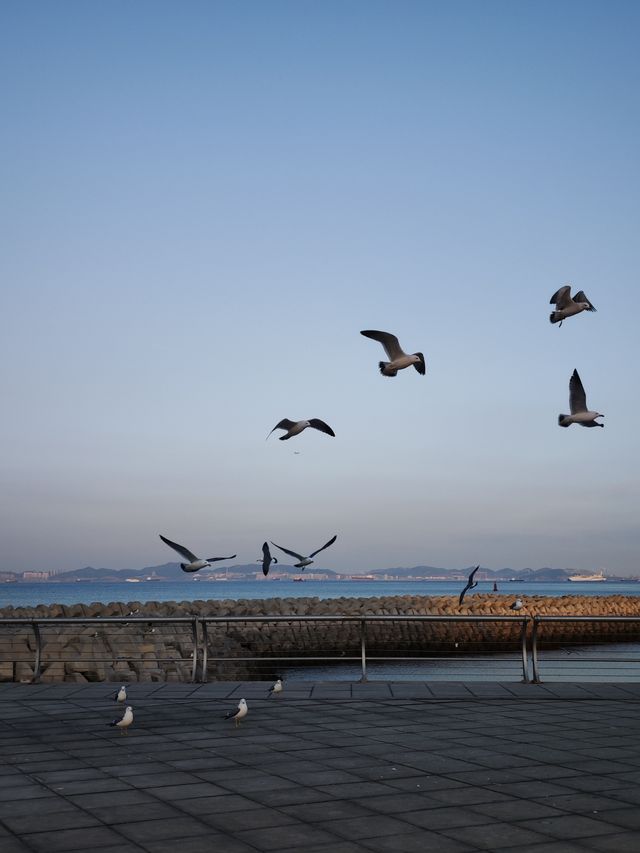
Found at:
<point>580,414</point>
<point>470,585</point>
<point>277,687</point>
<point>566,305</point>
<point>305,561</point>
<point>517,604</point>
<point>125,722</point>
<point>240,712</point>
<point>399,359</point>
<point>195,563</point>
<point>267,559</point>
<point>121,695</point>
<point>295,427</point>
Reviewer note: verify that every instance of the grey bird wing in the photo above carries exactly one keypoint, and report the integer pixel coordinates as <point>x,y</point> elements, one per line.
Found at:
<point>389,342</point>
<point>266,553</point>
<point>469,585</point>
<point>285,423</point>
<point>184,552</point>
<point>316,423</point>
<point>290,553</point>
<point>330,542</point>
<point>216,559</point>
<point>232,714</point>
<point>562,297</point>
<point>577,396</point>
<point>580,297</point>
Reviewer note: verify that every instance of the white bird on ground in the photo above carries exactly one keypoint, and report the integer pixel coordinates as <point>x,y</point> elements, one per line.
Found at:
<point>267,559</point>
<point>240,712</point>
<point>566,305</point>
<point>125,722</point>
<point>296,427</point>
<point>277,687</point>
<point>195,563</point>
<point>305,561</point>
<point>580,414</point>
<point>121,695</point>
<point>517,604</point>
<point>470,585</point>
<point>399,359</point>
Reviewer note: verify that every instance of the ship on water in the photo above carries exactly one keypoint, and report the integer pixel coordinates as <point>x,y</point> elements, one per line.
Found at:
<point>587,578</point>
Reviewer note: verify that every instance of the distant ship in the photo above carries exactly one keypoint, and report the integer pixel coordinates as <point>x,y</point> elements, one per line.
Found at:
<point>582,578</point>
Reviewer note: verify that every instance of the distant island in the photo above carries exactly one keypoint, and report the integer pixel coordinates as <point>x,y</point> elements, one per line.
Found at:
<point>252,572</point>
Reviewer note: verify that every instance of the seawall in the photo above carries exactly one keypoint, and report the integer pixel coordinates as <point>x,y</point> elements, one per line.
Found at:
<point>142,651</point>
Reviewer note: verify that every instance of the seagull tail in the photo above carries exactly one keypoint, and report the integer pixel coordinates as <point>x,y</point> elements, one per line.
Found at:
<point>561,419</point>
<point>382,365</point>
<point>554,317</point>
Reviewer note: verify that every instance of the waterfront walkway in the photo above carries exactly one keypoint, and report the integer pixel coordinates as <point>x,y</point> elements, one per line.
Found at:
<point>332,767</point>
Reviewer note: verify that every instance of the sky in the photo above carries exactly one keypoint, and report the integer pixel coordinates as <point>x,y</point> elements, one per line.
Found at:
<point>203,205</point>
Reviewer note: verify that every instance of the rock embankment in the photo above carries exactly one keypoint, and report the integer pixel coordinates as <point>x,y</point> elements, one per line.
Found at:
<point>143,650</point>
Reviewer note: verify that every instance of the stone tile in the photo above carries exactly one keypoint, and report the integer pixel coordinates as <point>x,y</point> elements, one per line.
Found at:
<point>65,840</point>
<point>571,826</point>
<point>279,837</point>
<point>415,842</point>
<point>494,836</point>
<point>163,829</point>
<point>616,843</point>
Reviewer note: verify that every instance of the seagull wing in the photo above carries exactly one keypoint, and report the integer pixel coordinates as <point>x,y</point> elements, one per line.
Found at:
<point>472,574</point>
<point>232,714</point>
<point>285,423</point>
<point>462,594</point>
<point>184,552</point>
<point>389,342</point>
<point>316,423</point>
<point>330,542</point>
<point>216,559</point>
<point>266,553</point>
<point>562,297</point>
<point>577,396</point>
<point>290,553</point>
<point>580,297</point>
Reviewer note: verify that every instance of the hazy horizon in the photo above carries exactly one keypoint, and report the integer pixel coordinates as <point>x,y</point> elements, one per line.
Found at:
<point>204,205</point>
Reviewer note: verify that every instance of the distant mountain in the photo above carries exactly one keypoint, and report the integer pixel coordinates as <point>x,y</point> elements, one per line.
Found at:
<point>173,572</point>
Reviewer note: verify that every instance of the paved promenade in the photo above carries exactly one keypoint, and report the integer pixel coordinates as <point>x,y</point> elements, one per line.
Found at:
<point>331,767</point>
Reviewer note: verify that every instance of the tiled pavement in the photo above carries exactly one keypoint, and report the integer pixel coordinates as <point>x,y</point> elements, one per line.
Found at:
<point>333,767</point>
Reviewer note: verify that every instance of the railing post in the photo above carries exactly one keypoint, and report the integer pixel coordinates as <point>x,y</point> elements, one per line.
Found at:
<point>205,652</point>
<point>37,663</point>
<point>534,651</point>
<point>194,634</point>
<point>363,648</point>
<point>523,647</point>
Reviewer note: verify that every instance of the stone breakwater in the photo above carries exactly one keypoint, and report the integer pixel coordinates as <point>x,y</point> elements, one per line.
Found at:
<point>147,651</point>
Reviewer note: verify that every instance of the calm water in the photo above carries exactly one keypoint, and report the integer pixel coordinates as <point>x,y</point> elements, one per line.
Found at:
<point>85,592</point>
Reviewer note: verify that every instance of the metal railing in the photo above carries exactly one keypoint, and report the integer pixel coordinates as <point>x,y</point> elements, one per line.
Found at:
<point>225,641</point>
<point>48,633</point>
<point>355,646</point>
<point>567,659</point>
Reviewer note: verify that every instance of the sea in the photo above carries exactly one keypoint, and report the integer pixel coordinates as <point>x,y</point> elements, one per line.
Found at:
<point>88,592</point>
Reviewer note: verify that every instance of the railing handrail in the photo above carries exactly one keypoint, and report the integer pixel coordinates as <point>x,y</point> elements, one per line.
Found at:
<point>542,618</point>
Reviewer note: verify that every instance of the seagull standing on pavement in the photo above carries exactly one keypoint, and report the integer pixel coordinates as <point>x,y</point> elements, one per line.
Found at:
<point>240,712</point>
<point>195,563</point>
<point>121,695</point>
<point>267,559</point>
<point>580,414</point>
<point>305,561</point>
<point>470,585</point>
<point>296,427</point>
<point>125,722</point>
<point>277,688</point>
<point>398,358</point>
<point>566,305</point>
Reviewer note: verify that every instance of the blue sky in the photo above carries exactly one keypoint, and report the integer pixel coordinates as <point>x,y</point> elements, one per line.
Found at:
<point>203,205</point>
